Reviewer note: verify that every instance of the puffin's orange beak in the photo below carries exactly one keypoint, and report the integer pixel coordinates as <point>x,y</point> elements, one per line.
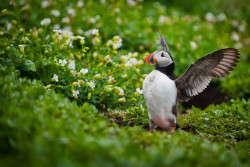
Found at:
<point>147,58</point>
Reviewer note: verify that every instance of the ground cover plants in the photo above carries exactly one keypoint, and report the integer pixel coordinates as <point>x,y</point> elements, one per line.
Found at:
<point>71,77</point>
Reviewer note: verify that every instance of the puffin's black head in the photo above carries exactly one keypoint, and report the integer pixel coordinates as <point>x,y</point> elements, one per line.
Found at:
<point>159,58</point>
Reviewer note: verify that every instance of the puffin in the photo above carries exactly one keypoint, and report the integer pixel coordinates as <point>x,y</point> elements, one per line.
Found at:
<point>163,90</point>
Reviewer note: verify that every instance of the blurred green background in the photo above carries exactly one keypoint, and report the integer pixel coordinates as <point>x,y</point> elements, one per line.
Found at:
<point>71,75</point>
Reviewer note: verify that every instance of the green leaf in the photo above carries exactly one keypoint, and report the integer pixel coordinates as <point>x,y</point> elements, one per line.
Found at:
<point>45,70</point>
<point>28,65</point>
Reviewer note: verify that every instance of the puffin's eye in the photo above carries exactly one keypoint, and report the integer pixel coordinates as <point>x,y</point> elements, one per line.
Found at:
<point>162,55</point>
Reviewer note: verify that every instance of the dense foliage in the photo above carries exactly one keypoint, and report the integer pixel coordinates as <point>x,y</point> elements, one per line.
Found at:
<point>71,76</point>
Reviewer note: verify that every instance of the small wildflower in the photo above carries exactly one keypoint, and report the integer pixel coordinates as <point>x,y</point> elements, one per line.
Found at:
<point>89,95</point>
<point>48,86</point>
<point>97,76</point>
<point>80,82</point>
<point>193,45</point>
<point>108,88</point>
<point>55,77</point>
<point>45,21</point>
<point>120,91</point>
<point>58,31</point>
<point>210,17</point>
<point>221,17</point>
<point>45,4</point>
<point>121,100</point>
<point>91,84</point>
<point>235,36</point>
<point>131,3</point>
<point>78,75</point>
<point>25,39</point>
<point>95,31</point>
<point>139,90</point>
<point>75,83</point>
<point>73,72</point>
<point>55,13</point>
<point>72,65</point>
<point>65,20</point>
<point>84,71</point>
<point>96,40</point>
<point>79,4</point>
<point>108,58</point>
<point>142,107</point>
<point>124,75</point>
<point>71,11</point>
<point>111,79</point>
<point>21,47</point>
<point>75,93</point>
<point>63,62</point>
<point>82,41</point>
<point>117,42</point>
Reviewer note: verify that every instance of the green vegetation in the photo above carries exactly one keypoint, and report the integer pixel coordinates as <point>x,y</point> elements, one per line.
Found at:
<point>71,76</point>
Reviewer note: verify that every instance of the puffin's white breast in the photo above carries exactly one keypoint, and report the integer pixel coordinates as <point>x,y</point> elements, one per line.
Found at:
<point>160,95</point>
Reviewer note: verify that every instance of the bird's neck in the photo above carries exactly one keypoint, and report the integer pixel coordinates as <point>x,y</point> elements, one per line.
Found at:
<point>168,70</point>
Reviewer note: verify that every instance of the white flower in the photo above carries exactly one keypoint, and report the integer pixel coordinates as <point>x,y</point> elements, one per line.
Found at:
<point>55,12</point>
<point>72,65</point>
<point>45,21</point>
<point>25,39</point>
<point>79,4</point>
<point>91,84</point>
<point>71,12</point>
<point>103,1</point>
<point>80,82</point>
<point>135,62</point>
<point>110,80</point>
<point>65,20</point>
<point>193,45</point>
<point>59,31</point>
<point>21,47</point>
<point>117,42</point>
<point>80,37</point>
<point>96,40</point>
<point>139,90</point>
<point>210,17</point>
<point>95,31</point>
<point>75,93</point>
<point>221,17</point>
<point>92,20</point>
<point>55,77</point>
<point>9,25</point>
<point>117,10</point>
<point>82,41</point>
<point>63,62</point>
<point>131,3</point>
<point>119,90</point>
<point>235,36</point>
<point>123,99</point>
<point>45,4</point>
<point>142,107</point>
<point>56,26</point>
<point>84,71</point>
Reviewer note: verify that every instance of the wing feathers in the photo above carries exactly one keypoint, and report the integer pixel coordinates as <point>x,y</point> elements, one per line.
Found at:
<point>215,65</point>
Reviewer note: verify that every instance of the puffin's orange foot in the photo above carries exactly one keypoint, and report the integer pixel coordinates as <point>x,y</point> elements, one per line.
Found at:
<point>174,128</point>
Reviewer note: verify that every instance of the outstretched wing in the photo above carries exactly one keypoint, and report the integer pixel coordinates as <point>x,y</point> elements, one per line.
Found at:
<point>199,74</point>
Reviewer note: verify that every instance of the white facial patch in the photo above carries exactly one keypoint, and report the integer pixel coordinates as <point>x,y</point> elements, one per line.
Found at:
<point>162,58</point>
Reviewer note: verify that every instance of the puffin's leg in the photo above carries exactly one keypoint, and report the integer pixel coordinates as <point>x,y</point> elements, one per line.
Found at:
<point>152,125</point>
